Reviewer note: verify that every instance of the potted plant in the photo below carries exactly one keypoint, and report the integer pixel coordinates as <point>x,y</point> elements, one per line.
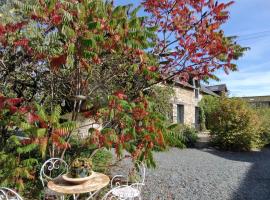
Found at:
<point>81,167</point>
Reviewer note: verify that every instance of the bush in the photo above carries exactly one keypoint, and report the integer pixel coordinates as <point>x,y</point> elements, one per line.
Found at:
<point>207,105</point>
<point>181,136</point>
<point>264,114</point>
<point>234,125</point>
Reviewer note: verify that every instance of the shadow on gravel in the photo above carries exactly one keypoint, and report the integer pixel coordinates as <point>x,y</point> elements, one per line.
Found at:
<point>256,184</point>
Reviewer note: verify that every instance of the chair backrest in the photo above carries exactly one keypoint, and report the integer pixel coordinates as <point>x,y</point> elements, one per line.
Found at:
<point>110,196</point>
<point>135,178</point>
<point>9,194</point>
<point>52,168</point>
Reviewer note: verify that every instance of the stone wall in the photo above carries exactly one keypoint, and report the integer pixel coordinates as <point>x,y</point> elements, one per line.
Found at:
<point>185,96</point>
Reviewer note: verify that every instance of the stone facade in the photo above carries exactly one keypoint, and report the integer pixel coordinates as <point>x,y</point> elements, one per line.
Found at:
<point>186,98</point>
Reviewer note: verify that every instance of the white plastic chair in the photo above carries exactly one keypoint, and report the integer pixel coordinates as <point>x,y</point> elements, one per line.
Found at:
<point>52,169</point>
<point>127,191</point>
<point>9,194</point>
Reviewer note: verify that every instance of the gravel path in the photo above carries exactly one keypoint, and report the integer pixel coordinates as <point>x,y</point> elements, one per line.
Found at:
<point>208,174</point>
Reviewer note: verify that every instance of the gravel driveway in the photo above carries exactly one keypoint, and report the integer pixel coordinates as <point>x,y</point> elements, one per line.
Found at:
<point>208,174</point>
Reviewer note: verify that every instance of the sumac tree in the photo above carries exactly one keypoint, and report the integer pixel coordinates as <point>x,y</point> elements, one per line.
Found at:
<point>101,60</point>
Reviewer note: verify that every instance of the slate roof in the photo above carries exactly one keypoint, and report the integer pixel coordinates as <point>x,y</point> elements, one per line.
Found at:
<point>217,88</point>
<point>205,90</point>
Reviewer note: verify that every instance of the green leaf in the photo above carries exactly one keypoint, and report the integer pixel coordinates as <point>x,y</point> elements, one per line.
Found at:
<point>56,114</point>
<point>41,132</point>
<point>68,32</point>
<point>26,149</point>
<point>93,25</point>
<point>133,132</point>
<point>90,43</point>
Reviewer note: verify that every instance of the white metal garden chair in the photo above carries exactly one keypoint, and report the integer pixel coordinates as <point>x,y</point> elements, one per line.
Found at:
<point>9,194</point>
<point>52,169</point>
<point>126,191</point>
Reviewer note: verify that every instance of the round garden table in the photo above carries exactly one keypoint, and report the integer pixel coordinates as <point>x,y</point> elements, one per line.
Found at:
<point>92,186</point>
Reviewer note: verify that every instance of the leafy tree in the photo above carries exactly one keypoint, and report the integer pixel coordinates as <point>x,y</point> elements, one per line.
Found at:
<point>70,45</point>
<point>191,42</point>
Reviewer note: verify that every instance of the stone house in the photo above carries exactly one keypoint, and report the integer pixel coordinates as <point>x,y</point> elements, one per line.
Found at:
<point>185,102</point>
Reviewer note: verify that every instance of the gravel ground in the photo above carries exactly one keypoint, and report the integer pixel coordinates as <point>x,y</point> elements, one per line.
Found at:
<point>208,174</point>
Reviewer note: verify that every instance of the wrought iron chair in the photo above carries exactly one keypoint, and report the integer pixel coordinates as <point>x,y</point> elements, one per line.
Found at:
<point>127,191</point>
<point>9,194</point>
<point>52,169</point>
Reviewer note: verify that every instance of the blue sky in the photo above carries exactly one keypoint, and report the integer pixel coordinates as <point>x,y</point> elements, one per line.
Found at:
<point>250,20</point>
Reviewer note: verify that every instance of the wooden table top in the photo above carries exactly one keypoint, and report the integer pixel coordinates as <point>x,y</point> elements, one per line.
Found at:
<point>96,182</point>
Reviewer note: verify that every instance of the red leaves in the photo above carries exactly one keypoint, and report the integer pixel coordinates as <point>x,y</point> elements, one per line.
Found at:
<point>139,113</point>
<point>57,62</point>
<point>14,101</point>
<point>120,95</point>
<point>12,104</point>
<point>2,30</point>
<point>56,19</point>
<point>32,118</point>
<point>152,68</point>
<point>15,27</point>
<point>22,42</point>
<point>198,39</point>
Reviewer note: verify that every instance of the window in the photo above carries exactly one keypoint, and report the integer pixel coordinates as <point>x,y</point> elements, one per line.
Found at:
<point>197,93</point>
<point>197,117</point>
<point>180,114</point>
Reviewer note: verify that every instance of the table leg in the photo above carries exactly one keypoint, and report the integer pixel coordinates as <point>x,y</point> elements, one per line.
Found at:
<point>92,194</point>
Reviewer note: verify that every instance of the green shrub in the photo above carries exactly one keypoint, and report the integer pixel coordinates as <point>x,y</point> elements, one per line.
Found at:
<point>264,114</point>
<point>234,125</point>
<point>101,160</point>
<point>181,136</point>
<point>207,105</point>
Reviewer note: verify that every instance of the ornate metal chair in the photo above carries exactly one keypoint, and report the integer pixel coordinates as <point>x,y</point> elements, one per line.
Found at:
<point>52,169</point>
<point>129,191</point>
<point>8,194</point>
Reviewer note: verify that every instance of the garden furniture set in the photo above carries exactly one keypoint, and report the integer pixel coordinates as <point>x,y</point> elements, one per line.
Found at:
<point>57,185</point>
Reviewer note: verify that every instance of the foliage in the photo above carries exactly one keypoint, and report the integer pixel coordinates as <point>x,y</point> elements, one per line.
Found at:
<point>264,115</point>
<point>181,136</point>
<point>132,126</point>
<point>28,136</point>
<point>102,160</point>
<point>17,162</point>
<point>79,46</point>
<point>162,96</point>
<point>234,125</point>
<point>191,42</point>
<point>208,105</point>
